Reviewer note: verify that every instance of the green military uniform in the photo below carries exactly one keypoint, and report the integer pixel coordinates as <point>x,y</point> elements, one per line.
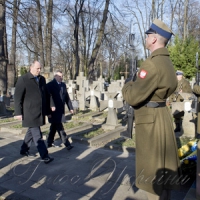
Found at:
<point>183,86</point>
<point>196,90</point>
<point>156,149</point>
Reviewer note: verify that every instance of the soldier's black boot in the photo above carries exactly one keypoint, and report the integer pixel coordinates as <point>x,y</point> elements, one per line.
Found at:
<point>178,127</point>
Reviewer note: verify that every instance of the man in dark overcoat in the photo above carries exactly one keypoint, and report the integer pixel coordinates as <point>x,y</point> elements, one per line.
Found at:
<point>157,161</point>
<point>58,97</point>
<point>31,106</point>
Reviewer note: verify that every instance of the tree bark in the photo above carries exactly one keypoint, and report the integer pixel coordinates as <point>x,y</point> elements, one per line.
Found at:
<point>3,59</point>
<point>11,71</point>
<point>185,31</point>
<point>49,35</point>
<point>153,16</point>
<point>40,37</point>
<point>99,37</point>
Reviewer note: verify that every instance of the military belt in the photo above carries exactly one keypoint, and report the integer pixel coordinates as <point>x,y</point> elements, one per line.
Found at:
<point>153,104</point>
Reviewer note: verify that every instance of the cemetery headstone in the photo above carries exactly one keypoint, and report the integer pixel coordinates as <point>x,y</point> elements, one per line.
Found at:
<point>114,87</point>
<point>71,88</point>
<point>82,83</point>
<point>94,97</point>
<point>100,84</point>
<point>2,108</point>
<point>112,104</point>
<point>6,100</point>
<point>81,99</point>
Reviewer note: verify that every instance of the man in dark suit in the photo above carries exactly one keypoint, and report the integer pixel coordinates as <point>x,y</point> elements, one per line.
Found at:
<point>31,106</point>
<point>58,97</point>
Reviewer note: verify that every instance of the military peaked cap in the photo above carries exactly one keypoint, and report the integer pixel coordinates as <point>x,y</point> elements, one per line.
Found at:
<point>160,28</point>
<point>178,72</point>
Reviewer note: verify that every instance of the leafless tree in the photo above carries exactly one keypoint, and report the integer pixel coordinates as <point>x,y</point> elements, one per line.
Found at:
<point>185,30</point>
<point>3,59</point>
<point>40,33</point>
<point>11,70</point>
<point>74,13</point>
<point>99,36</point>
<point>48,33</point>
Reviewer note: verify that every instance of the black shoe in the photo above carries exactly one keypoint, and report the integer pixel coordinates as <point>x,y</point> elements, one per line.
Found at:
<point>47,160</point>
<point>27,154</point>
<point>52,145</point>
<point>70,147</point>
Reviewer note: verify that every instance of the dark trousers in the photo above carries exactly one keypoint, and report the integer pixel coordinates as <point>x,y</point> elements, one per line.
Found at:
<point>34,134</point>
<point>60,129</point>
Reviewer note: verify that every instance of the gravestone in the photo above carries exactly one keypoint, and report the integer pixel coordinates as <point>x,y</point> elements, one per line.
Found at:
<point>112,104</point>
<point>99,84</point>
<point>82,82</point>
<point>121,82</point>
<point>188,124</point>
<point>2,108</point>
<point>119,96</point>
<point>12,91</point>
<point>114,87</point>
<point>82,86</point>
<point>6,100</point>
<point>71,89</point>
<point>93,94</point>
<point>81,98</point>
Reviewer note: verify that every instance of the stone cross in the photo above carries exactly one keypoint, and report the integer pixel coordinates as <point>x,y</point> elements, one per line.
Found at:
<point>126,72</point>
<point>81,99</point>
<point>100,84</point>
<point>82,82</point>
<point>93,94</point>
<point>71,88</point>
<point>114,87</point>
<point>112,104</point>
<point>121,81</point>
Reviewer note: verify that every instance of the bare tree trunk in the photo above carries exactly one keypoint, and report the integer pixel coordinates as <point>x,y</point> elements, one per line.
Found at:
<point>173,8</point>
<point>11,70</point>
<point>185,31</point>
<point>153,10</point>
<point>162,10</point>
<point>99,37</point>
<point>35,39</point>
<point>76,32</point>
<point>3,60</point>
<point>49,35</point>
<point>40,45</point>
<point>84,68</point>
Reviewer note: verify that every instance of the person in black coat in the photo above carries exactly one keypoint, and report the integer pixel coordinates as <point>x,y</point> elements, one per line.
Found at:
<point>58,97</point>
<point>31,106</point>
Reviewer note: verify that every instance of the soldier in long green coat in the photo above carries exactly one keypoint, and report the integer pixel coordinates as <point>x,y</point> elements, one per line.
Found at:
<point>183,86</point>
<point>157,162</point>
<point>196,90</point>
